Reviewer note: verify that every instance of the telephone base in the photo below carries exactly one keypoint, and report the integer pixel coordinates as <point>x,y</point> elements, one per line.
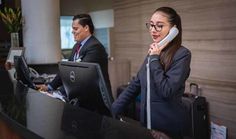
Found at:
<point>39,80</point>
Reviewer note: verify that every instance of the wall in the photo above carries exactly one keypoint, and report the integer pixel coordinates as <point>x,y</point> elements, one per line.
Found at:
<point>73,7</point>
<point>209,31</point>
<point>103,18</point>
<point>98,5</point>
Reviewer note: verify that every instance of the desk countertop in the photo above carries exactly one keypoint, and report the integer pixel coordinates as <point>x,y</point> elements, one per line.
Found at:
<point>34,115</point>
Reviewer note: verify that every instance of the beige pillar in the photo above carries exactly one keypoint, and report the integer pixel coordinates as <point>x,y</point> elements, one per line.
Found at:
<point>41,31</point>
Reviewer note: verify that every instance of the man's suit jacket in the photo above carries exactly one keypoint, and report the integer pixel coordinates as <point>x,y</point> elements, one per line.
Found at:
<point>92,51</point>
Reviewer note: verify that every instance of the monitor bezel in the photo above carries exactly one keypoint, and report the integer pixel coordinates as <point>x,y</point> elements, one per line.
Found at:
<point>105,93</point>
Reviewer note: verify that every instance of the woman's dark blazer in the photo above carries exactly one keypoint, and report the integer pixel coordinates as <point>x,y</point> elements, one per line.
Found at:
<point>167,111</point>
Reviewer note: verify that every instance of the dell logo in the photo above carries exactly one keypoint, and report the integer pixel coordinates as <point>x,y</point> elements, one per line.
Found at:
<point>72,76</point>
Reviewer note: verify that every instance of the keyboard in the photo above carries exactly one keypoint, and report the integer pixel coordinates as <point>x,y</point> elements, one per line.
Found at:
<point>39,80</point>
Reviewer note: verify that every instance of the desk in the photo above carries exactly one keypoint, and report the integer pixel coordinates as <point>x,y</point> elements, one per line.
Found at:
<point>3,55</point>
<point>28,114</point>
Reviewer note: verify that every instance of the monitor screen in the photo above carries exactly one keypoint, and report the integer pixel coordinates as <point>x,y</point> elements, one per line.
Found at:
<point>23,72</point>
<point>85,81</point>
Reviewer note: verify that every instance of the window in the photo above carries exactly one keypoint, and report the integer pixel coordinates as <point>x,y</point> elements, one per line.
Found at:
<point>67,40</point>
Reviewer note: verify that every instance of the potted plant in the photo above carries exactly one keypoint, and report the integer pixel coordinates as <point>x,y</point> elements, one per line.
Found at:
<point>13,21</point>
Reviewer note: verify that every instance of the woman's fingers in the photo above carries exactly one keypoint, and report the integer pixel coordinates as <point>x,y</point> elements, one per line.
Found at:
<point>154,49</point>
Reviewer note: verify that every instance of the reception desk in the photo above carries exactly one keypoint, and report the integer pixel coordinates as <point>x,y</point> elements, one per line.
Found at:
<point>28,114</point>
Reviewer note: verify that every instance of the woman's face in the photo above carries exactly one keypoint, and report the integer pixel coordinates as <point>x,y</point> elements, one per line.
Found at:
<point>162,26</point>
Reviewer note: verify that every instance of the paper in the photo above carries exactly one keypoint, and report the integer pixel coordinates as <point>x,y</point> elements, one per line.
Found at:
<point>54,95</point>
<point>218,132</point>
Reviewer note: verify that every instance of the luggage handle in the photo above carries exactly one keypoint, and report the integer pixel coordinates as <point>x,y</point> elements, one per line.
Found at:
<point>196,91</point>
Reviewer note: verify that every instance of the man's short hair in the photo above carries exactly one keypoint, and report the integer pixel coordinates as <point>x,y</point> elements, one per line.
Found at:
<point>85,19</point>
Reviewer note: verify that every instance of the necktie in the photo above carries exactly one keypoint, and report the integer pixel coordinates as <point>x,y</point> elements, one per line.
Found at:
<point>76,56</point>
<point>78,47</point>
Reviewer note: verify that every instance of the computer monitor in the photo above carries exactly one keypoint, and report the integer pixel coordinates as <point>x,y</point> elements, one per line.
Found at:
<point>23,72</point>
<point>84,81</point>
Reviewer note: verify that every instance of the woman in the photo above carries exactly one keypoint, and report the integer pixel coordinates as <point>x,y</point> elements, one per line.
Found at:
<point>169,68</point>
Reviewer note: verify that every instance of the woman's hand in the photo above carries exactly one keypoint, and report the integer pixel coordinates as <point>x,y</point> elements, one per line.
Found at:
<point>155,49</point>
<point>159,135</point>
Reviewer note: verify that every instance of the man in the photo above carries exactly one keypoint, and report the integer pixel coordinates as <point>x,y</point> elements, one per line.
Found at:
<point>87,49</point>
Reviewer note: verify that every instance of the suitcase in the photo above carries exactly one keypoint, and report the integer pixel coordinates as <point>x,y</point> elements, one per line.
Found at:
<point>198,112</point>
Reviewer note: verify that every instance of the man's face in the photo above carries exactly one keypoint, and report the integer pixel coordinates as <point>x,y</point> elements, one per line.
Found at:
<point>79,32</point>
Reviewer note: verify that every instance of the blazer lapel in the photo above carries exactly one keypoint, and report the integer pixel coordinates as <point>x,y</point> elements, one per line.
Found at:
<point>86,45</point>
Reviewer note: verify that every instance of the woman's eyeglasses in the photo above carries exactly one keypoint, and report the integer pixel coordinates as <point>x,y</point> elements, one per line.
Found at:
<point>156,27</point>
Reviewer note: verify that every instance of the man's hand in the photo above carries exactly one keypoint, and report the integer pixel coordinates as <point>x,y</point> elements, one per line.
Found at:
<point>42,87</point>
<point>8,65</point>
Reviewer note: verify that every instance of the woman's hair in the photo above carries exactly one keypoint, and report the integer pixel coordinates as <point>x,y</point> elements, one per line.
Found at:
<point>168,52</point>
<point>85,19</point>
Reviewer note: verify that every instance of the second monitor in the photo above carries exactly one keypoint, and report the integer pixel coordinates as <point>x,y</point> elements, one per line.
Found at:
<point>85,81</point>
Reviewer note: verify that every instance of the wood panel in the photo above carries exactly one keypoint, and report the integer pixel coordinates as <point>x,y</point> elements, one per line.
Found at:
<point>119,71</point>
<point>209,31</point>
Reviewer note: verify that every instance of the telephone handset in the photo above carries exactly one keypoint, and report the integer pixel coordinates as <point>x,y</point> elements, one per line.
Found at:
<point>172,34</point>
